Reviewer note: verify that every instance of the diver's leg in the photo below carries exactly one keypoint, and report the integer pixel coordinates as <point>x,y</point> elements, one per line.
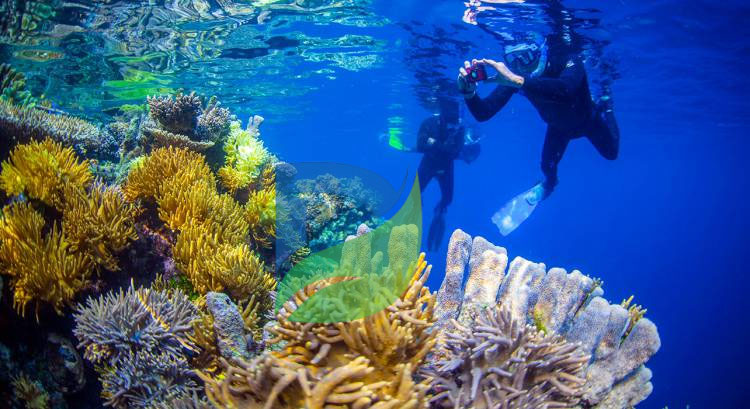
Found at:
<point>437,227</point>
<point>604,133</point>
<point>555,143</point>
<point>425,173</point>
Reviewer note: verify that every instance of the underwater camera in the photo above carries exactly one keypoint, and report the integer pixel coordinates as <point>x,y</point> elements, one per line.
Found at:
<point>476,73</point>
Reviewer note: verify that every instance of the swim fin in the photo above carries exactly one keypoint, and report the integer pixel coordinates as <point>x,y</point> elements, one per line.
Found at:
<point>517,210</point>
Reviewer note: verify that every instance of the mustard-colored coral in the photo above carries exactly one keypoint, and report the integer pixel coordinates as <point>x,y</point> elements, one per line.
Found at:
<point>42,267</point>
<point>99,223</point>
<point>245,154</point>
<point>43,170</point>
<point>260,213</point>
<point>366,363</point>
<point>147,176</point>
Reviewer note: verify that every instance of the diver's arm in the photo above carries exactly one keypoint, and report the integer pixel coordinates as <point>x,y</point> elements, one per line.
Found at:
<point>560,89</point>
<point>484,109</point>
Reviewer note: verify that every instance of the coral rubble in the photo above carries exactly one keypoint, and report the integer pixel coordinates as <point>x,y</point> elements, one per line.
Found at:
<point>567,306</point>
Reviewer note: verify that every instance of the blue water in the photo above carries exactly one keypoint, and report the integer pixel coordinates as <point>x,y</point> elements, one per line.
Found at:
<point>666,221</point>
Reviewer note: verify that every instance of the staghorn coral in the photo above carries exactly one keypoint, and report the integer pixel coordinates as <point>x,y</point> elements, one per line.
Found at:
<point>245,155</point>
<point>568,305</point>
<point>99,223</point>
<point>42,267</point>
<point>43,170</point>
<point>147,175</point>
<point>122,322</point>
<point>178,115</point>
<point>364,363</point>
<point>499,362</point>
<point>24,124</point>
<point>31,393</point>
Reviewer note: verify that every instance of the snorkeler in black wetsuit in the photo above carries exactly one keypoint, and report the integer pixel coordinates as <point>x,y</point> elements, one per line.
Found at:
<point>442,140</point>
<point>555,83</point>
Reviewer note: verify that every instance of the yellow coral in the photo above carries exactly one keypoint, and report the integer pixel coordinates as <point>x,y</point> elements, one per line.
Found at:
<point>366,363</point>
<point>146,177</point>
<point>99,223</point>
<point>43,170</point>
<point>42,268</point>
<point>245,156</point>
<point>260,213</point>
<point>214,265</point>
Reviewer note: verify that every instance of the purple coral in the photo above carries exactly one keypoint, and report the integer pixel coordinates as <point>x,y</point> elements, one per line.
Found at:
<point>179,115</point>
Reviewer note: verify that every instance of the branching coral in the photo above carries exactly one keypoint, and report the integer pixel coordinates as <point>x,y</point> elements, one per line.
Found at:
<point>23,124</point>
<point>245,155</point>
<point>499,362</point>
<point>147,175</point>
<point>99,223</point>
<point>43,170</point>
<point>178,115</point>
<point>42,267</point>
<point>364,363</point>
<point>121,322</point>
<point>260,214</point>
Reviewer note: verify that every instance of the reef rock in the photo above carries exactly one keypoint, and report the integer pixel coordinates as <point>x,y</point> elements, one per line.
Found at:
<point>558,303</point>
<point>229,327</point>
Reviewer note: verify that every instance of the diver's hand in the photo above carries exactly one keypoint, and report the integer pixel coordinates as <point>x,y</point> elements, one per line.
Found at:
<point>506,76</point>
<point>466,87</point>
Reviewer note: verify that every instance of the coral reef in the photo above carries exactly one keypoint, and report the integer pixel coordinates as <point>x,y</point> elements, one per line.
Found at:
<point>13,87</point>
<point>32,393</point>
<point>183,122</point>
<point>245,155</point>
<point>24,124</point>
<point>210,247</point>
<point>53,264</point>
<point>139,340</point>
<point>368,362</point>
<point>558,304</point>
<point>499,362</point>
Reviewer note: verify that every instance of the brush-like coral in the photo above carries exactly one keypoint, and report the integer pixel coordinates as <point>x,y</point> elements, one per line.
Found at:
<point>245,155</point>
<point>23,124</point>
<point>178,115</point>
<point>145,379</point>
<point>564,304</point>
<point>123,322</point>
<point>99,222</point>
<point>43,170</point>
<point>31,393</point>
<point>499,362</point>
<point>148,174</point>
<point>368,362</point>
<point>260,214</point>
<point>212,264</point>
<point>42,267</point>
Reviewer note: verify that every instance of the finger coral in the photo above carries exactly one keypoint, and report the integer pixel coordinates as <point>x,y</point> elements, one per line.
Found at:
<point>364,363</point>
<point>42,267</point>
<point>43,170</point>
<point>567,305</point>
<point>499,362</point>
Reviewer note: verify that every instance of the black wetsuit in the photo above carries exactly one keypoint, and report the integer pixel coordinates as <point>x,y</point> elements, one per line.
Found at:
<point>561,96</point>
<point>438,158</point>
